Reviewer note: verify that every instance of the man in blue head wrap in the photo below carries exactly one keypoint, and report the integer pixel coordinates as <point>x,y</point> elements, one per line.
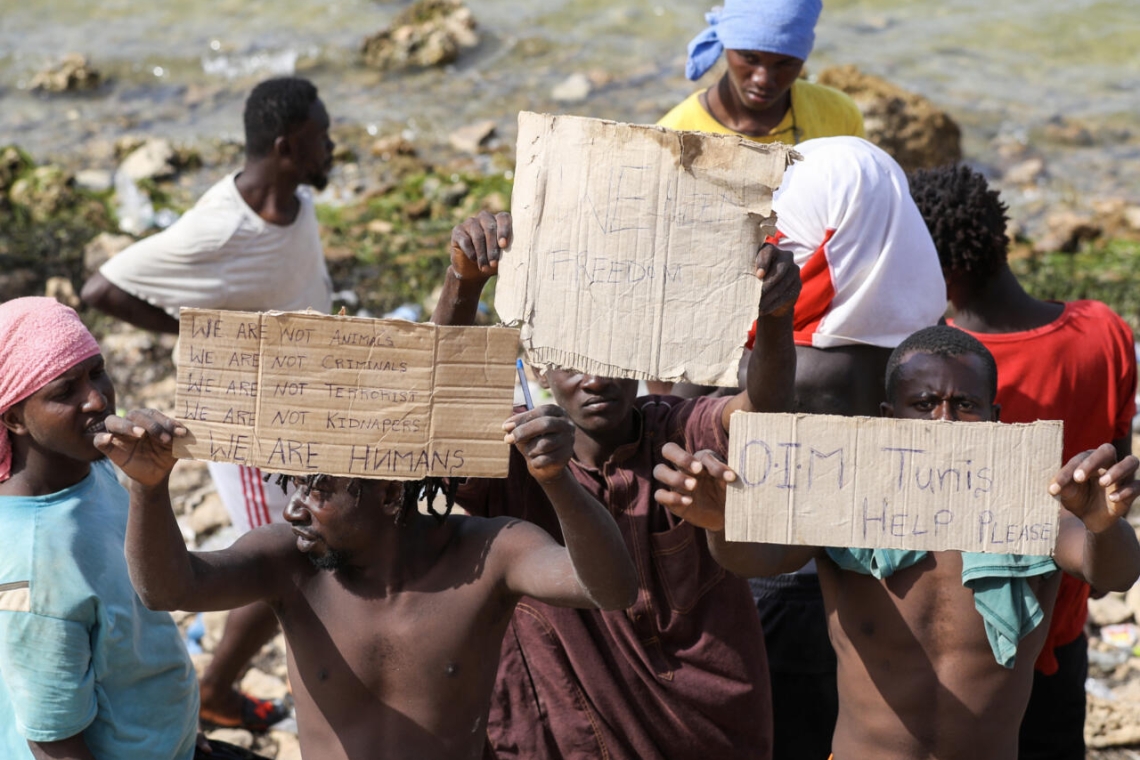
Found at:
<point>761,96</point>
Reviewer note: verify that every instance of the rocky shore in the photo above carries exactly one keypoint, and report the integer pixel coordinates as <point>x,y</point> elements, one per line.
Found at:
<point>386,220</point>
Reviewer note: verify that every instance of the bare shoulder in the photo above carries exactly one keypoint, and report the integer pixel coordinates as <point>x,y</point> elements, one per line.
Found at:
<point>495,538</point>
<point>472,529</point>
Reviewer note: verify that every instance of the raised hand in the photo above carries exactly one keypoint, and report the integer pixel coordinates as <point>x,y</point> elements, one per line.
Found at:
<point>477,243</point>
<point>695,486</point>
<point>141,444</point>
<point>545,436</point>
<point>781,277</point>
<point>1096,488</point>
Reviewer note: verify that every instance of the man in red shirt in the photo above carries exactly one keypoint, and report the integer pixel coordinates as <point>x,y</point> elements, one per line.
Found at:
<point>1074,362</point>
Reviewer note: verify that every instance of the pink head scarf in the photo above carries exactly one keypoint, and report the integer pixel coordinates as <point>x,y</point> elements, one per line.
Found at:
<point>40,339</point>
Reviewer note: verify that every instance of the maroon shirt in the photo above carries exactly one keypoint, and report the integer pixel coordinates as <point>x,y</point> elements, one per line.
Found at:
<point>680,674</point>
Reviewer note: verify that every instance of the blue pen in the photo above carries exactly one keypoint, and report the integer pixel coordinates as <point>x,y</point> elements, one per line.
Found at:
<point>525,385</point>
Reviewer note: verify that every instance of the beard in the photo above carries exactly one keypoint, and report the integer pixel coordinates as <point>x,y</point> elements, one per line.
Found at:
<point>332,560</point>
<point>318,181</point>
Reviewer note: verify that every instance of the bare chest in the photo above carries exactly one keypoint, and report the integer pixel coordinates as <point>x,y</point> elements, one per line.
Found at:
<point>388,645</point>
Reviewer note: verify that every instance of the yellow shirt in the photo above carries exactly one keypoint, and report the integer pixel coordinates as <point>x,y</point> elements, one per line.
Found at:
<point>817,111</point>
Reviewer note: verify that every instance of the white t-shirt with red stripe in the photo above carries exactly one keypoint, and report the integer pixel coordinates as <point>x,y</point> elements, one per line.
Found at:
<point>250,501</point>
<point>870,272</point>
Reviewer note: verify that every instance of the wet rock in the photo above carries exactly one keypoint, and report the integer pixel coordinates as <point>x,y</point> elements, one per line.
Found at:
<point>72,74</point>
<point>263,685</point>
<point>600,77</point>
<point>1066,230</point>
<point>44,192</point>
<point>190,482</point>
<point>913,130</point>
<point>101,248</point>
<point>288,747</point>
<point>427,33</point>
<point>95,180</point>
<point>17,283</point>
<point>495,202</point>
<point>1131,216</point>
<point>13,164</point>
<point>62,290</point>
<point>449,195</point>
<point>1109,610</point>
<point>159,394</point>
<point>196,94</point>
<point>154,159</point>
<point>138,360</point>
<point>471,138</point>
<point>1067,132</point>
<point>573,89</point>
<point>1111,723</point>
<point>1026,172</point>
<point>126,145</point>
<point>418,209</point>
<point>1011,149</point>
<point>186,158</point>
<point>1132,599</point>
<point>209,515</point>
<point>1116,217</point>
<point>398,159</point>
<point>215,623</point>
<point>392,145</point>
<point>201,661</point>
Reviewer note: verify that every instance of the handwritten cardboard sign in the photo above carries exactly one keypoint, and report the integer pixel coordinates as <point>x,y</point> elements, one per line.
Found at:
<point>302,393</point>
<point>634,247</point>
<point>864,482</point>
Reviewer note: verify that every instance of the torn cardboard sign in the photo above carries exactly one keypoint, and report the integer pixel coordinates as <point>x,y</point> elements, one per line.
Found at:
<point>864,482</point>
<point>303,393</point>
<point>634,247</point>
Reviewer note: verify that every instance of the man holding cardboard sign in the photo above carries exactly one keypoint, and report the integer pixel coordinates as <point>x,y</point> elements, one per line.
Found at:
<point>394,619</point>
<point>682,672</point>
<point>936,649</point>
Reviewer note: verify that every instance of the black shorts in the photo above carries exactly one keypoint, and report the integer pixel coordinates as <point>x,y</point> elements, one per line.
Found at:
<point>1054,724</point>
<point>805,698</point>
<point>226,751</point>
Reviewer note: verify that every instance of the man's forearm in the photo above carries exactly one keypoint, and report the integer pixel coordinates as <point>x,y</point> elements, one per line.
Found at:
<point>458,300</point>
<point>1111,559</point>
<point>157,559</point>
<point>594,542</point>
<point>102,294</point>
<point>772,366</point>
<point>749,560</point>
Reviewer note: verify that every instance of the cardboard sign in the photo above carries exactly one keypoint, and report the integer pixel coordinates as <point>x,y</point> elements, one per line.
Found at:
<point>864,482</point>
<point>303,393</point>
<point>634,247</point>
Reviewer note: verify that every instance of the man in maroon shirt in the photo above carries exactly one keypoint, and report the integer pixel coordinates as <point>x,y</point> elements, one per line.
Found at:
<point>682,673</point>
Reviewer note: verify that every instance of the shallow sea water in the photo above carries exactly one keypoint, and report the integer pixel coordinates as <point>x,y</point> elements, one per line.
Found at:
<point>1003,70</point>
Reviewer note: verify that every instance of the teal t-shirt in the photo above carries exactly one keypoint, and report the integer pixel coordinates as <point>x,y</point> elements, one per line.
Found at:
<point>78,650</point>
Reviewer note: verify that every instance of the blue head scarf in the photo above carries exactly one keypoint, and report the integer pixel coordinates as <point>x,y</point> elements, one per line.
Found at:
<point>786,27</point>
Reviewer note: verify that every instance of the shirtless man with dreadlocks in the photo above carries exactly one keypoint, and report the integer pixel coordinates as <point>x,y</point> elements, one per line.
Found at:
<point>394,619</point>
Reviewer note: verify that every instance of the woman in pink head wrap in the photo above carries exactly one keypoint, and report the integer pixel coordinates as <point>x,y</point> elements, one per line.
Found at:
<point>43,343</point>
<point>86,670</point>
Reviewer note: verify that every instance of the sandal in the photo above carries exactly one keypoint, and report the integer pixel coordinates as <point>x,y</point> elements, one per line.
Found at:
<point>256,715</point>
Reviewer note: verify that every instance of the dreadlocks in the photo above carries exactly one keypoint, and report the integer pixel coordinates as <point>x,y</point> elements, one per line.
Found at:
<point>414,490</point>
<point>428,489</point>
<point>966,219</point>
